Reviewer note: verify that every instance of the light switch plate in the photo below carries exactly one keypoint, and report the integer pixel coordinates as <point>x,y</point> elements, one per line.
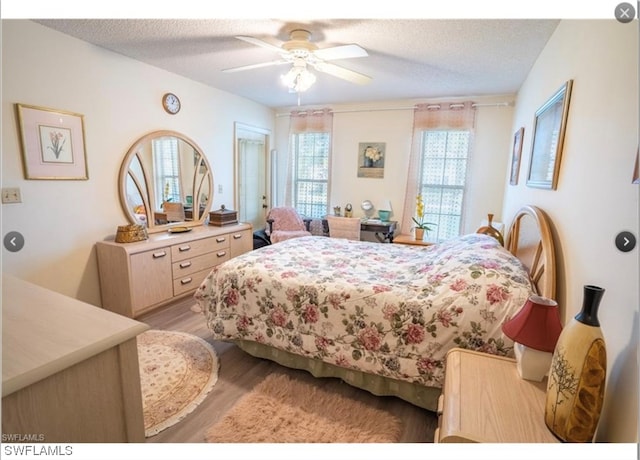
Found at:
<point>11,195</point>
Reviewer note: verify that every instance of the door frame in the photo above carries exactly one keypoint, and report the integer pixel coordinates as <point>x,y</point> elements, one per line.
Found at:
<point>238,128</point>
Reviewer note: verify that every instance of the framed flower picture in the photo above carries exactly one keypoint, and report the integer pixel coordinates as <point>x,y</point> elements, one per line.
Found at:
<point>549,127</point>
<point>371,156</point>
<point>52,143</point>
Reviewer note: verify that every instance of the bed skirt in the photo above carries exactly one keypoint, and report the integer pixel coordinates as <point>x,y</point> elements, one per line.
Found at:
<point>418,395</point>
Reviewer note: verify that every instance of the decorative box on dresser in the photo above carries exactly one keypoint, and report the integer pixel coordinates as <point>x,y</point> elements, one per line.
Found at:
<point>138,277</point>
<point>485,400</point>
<point>69,369</point>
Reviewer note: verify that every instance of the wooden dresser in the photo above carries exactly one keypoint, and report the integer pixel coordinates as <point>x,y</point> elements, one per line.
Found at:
<point>485,400</point>
<point>138,277</point>
<point>69,369</point>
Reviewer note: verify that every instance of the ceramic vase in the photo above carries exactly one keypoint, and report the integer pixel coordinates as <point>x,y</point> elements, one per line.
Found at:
<point>575,388</point>
<point>419,234</point>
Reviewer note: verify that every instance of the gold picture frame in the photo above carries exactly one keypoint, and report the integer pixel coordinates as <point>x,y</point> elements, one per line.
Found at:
<point>516,156</point>
<point>52,143</point>
<point>549,128</point>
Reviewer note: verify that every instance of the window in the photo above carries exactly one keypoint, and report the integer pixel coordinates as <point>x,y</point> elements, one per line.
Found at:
<point>167,169</point>
<point>443,172</point>
<point>310,194</point>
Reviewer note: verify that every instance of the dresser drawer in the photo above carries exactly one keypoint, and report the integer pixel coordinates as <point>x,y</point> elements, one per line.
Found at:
<point>241,242</point>
<point>189,282</point>
<point>198,247</point>
<point>188,266</point>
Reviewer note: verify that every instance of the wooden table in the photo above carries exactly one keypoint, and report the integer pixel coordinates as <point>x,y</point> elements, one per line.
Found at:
<point>485,400</point>
<point>410,239</point>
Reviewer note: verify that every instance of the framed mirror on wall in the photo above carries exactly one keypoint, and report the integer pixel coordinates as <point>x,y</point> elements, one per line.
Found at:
<point>252,191</point>
<point>165,180</point>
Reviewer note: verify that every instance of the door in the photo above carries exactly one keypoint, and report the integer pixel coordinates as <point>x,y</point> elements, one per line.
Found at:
<point>252,174</point>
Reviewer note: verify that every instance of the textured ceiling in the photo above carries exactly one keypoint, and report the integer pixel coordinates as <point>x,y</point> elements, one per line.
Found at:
<point>407,59</point>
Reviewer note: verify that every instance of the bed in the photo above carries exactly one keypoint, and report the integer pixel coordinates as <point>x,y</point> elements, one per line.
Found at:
<point>379,316</point>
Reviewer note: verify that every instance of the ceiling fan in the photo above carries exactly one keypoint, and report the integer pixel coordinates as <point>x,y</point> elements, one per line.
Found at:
<point>301,52</point>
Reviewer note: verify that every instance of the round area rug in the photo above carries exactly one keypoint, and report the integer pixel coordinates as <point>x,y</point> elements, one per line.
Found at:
<point>177,371</point>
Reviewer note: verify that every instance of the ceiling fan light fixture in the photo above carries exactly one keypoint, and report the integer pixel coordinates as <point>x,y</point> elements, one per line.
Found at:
<point>298,79</point>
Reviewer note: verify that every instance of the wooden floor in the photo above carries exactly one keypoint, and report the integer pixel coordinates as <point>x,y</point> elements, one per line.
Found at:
<point>239,372</point>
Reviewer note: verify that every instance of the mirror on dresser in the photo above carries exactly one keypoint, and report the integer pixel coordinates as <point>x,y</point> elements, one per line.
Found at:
<point>165,180</point>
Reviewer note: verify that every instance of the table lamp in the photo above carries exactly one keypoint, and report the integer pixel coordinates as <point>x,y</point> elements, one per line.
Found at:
<point>384,210</point>
<point>535,330</point>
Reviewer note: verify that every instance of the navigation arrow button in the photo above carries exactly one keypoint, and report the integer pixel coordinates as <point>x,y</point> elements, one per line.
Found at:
<point>625,241</point>
<point>13,241</point>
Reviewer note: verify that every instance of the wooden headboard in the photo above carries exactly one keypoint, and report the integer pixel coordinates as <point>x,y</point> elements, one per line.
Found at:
<point>530,240</point>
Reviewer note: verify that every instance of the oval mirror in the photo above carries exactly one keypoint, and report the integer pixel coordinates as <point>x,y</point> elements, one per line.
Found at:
<point>165,180</point>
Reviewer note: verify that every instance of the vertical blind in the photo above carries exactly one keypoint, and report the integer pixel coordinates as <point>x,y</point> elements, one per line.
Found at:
<point>442,140</point>
<point>309,166</point>
<point>442,180</point>
<point>167,169</point>
<point>311,173</point>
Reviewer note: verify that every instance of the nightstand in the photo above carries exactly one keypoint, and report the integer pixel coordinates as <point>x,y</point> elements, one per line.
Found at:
<point>485,400</point>
<point>410,239</point>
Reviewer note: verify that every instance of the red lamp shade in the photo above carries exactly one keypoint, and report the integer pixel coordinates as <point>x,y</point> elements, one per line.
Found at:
<point>536,325</point>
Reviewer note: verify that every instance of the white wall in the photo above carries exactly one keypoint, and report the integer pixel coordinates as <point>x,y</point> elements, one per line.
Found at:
<point>367,123</point>
<point>595,198</point>
<point>121,100</point>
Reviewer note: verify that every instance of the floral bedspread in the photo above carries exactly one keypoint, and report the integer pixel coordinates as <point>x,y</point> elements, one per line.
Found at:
<point>388,309</point>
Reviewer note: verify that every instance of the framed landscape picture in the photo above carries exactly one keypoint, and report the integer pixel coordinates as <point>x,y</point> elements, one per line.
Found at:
<point>549,127</point>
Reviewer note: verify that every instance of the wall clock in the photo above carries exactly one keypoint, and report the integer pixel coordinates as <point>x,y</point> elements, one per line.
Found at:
<point>171,103</point>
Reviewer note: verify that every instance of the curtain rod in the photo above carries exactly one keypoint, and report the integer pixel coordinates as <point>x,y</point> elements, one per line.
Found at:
<point>382,109</point>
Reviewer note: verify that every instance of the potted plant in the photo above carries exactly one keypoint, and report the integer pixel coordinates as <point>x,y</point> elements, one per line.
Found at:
<point>421,226</point>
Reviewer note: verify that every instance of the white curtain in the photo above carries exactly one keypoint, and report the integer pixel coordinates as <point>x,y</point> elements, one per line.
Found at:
<point>456,115</point>
<point>316,121</point>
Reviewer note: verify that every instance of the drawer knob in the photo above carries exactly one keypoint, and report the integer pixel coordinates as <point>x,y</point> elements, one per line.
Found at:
<point>185,264</point>
<point>184,248</point>
<point>157,255</point>
<point>221,253</point>
<point>186,281</point>
<point>220,240</point>
<point>237,237</point>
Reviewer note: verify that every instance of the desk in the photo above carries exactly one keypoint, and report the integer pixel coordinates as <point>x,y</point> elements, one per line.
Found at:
<point>383,230</point>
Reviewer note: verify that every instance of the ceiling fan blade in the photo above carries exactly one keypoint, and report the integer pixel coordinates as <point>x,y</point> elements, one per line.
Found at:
<point>341,52</point>
<point>343,73</point>
<point>262,43</point>
<point>255,66</point>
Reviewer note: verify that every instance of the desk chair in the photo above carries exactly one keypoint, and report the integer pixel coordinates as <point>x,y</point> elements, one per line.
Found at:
<point>344,227</point>
<point>174,211</point>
